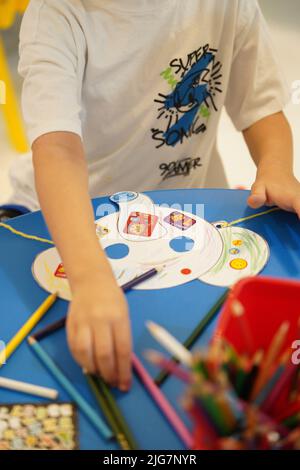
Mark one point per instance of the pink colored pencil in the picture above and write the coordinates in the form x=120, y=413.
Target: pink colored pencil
x=168, y=365
x=163, y=403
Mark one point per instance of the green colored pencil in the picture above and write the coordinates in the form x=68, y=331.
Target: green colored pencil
x=196, y=333
x=240, y=380
x=292, y=421
x=209, y=403
x=115, y=410
x=105, y=408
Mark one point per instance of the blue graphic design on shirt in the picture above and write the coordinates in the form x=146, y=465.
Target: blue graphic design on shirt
x=187, y=109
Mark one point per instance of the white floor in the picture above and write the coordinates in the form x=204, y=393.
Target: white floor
x=283, y=17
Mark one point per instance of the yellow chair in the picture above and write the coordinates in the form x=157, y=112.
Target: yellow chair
x=8, y=102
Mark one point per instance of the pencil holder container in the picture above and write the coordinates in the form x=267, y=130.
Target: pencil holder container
x=268, y=304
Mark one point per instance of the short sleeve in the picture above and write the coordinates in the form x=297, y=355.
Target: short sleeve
x=257, y=87
x=52, y=66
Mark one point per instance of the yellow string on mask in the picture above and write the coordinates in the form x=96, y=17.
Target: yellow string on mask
x=253, y=216
x=50, y=242
x=25, y=235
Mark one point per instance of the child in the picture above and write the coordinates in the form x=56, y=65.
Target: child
x=127, y=94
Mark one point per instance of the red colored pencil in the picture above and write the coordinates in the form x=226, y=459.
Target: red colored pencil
x=284, y=379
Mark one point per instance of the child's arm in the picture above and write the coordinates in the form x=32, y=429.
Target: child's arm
x=98, y=324
x=271, y=145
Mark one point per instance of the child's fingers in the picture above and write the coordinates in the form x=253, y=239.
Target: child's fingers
x=104, y=352
x=296, y=206
x=123, y=349
x=258, y=196
x=80, y=342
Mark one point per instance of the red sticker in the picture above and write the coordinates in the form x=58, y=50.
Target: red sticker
x=140, y=224
x=60, y=271
x=186, y=271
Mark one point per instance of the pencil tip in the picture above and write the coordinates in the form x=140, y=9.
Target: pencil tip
x=151, y=356
x=150, y=325
x=159, y=269
x=259, y=356
x=237, y=308
x=286, y=325
x=31, y=340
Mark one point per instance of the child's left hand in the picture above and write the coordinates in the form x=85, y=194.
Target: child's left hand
x=276, y=188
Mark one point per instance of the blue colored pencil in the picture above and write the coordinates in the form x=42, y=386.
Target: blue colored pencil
x=83, y=405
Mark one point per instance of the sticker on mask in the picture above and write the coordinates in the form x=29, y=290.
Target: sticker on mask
x=60, y=272
x=140, y=224
x=179, y=220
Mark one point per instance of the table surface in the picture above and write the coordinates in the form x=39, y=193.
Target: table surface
x=179, y=309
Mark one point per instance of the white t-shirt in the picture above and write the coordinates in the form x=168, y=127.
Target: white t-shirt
x=143, y=83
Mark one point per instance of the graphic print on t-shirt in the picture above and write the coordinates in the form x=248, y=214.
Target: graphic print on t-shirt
x=181, y=167
x=185, y=111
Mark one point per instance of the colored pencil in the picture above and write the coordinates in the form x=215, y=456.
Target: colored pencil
x=206, y=398
x=28, y=388
x=162, y=403
x=217, y=397
x=289, y=410
x=287, y=374
x=84, y=406
x=295, y=388
x=168, y=365
x=171, y=344
x=241, y=376
x=108, y=413
x=199, y=414
x=269, y=359
x=226, y=411
x=271, y=383
x=238, y=311
x=251, y=377
x=196, y=333
x=26, y=328
x=292, y=421
x=117, y=413
x=141, y=278
x=52, y=328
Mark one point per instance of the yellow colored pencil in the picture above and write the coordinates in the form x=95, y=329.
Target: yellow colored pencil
x=26, y=329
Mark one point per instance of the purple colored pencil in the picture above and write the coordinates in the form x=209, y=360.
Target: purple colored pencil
x=139, y=279
x=43, y=333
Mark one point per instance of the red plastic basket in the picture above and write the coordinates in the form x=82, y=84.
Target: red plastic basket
x=268, y=302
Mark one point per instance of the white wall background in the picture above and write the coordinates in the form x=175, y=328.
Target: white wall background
x=283, y=17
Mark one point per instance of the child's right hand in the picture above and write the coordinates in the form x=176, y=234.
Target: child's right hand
x=98, y=330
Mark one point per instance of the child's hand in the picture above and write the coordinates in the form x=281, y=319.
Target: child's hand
x=99, y=332
x=276, y=188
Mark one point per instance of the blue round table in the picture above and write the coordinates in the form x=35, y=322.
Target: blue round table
x=179, y=309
